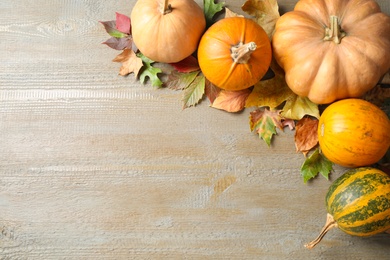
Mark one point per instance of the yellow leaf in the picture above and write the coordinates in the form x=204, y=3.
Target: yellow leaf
x=265, y=12
x=297, y=107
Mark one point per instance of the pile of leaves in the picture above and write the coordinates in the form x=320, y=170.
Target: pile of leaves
x=274, y=106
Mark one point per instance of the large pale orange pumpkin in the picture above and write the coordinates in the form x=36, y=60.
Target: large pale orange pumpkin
x=234, y=53
x=167, y=30
x=333, y=49
x=354, y=132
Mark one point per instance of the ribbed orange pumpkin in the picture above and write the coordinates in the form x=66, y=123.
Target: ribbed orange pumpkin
x=333, y=49
x=234, y=53
x=353, y=133
x=167, y=30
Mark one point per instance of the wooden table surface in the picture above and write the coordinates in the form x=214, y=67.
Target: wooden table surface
x=94, y=165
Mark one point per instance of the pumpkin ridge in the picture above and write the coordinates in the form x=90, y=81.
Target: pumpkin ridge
x=376, y=217
x=369, y=229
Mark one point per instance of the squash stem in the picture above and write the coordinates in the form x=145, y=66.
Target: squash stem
x=334, y=33
x=241, y=53
x=167, y=7
x=330, y=223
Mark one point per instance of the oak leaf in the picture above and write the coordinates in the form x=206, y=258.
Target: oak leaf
x=130, y=62
x=265, y=12
x=314, y=164
x=306, y=137
x=231, y=101
x=210, y=9
x=149, y=71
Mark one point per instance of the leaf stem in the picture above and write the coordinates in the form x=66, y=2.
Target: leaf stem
x=167, y=8
x=334, y=32
x=330, y=223
x=241, y=53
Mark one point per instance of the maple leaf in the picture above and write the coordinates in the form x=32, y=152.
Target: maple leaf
x=231, y=101
x=265, y=122
x=130, y=62
x=265, y=12
x=123, y=23
x=194, y=92
x=148, y=71
x=210, y=9
x=297, y=107
x=179, y=81
x=306, y=137
x=271, y=92
x=211, y=91
x=189, y=64
x=316, y=163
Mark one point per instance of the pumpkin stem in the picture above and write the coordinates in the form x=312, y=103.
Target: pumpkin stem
x=334, y=33
x=167, y=7
x=241, y=53
x=330, y=223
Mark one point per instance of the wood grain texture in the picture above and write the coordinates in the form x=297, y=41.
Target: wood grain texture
x=97, y=166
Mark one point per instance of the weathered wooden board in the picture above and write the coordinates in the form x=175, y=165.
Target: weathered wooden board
x=97, y=166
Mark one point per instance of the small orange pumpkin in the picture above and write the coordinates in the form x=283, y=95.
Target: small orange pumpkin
x=234, y=53
x=167, y=30
x=354, y=133
x=333, y=49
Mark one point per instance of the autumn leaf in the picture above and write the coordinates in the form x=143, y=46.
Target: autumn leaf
x=231, y=101
x=265, y=12
x=189, y=64
x=210, y=9
x=110, y=27
x=306, y=137
x=265, y=122
x=194, y=92
x=211, y=91
x=123, y=23
x=119, y=43
x=316, y=163
x=297, y=107
x=130, y=62
x=179, y=81
x=271, y=92
x=148, y=71
x=230, y=13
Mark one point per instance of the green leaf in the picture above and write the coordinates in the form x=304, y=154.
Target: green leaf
x=194, y=92
x=148, y=71
x=297, y=107
x=265, y=122
x=210, y=9
x=316, y=163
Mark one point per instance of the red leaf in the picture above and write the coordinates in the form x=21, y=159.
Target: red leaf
x=119, y=43
x=189, y=64
x=211, y=91
x=123, y=23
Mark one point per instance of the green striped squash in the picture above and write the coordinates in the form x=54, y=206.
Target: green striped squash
x=358, y=203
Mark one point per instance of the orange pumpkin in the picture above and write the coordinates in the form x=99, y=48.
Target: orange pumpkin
x=167, y=30
x=234, y=53
x=354, y=133
x=333, y=49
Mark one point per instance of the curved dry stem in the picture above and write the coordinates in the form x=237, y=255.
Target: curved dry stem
x=241, y=53
x=167, y=8
x=330, y=223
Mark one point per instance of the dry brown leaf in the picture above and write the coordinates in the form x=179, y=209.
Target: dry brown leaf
x=231, y=101
x=230, y=13
x=211, y=91
x=130, y=62
x=306, y=137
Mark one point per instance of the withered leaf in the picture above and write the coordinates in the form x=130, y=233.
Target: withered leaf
x=265, y=12
x=230, y=13
x=179, y=81
x=297, y=107
x=231, y=101
x=306, y=137
x=119, y=43
x=130, y=62
x=265, y=122
x=211, y=91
